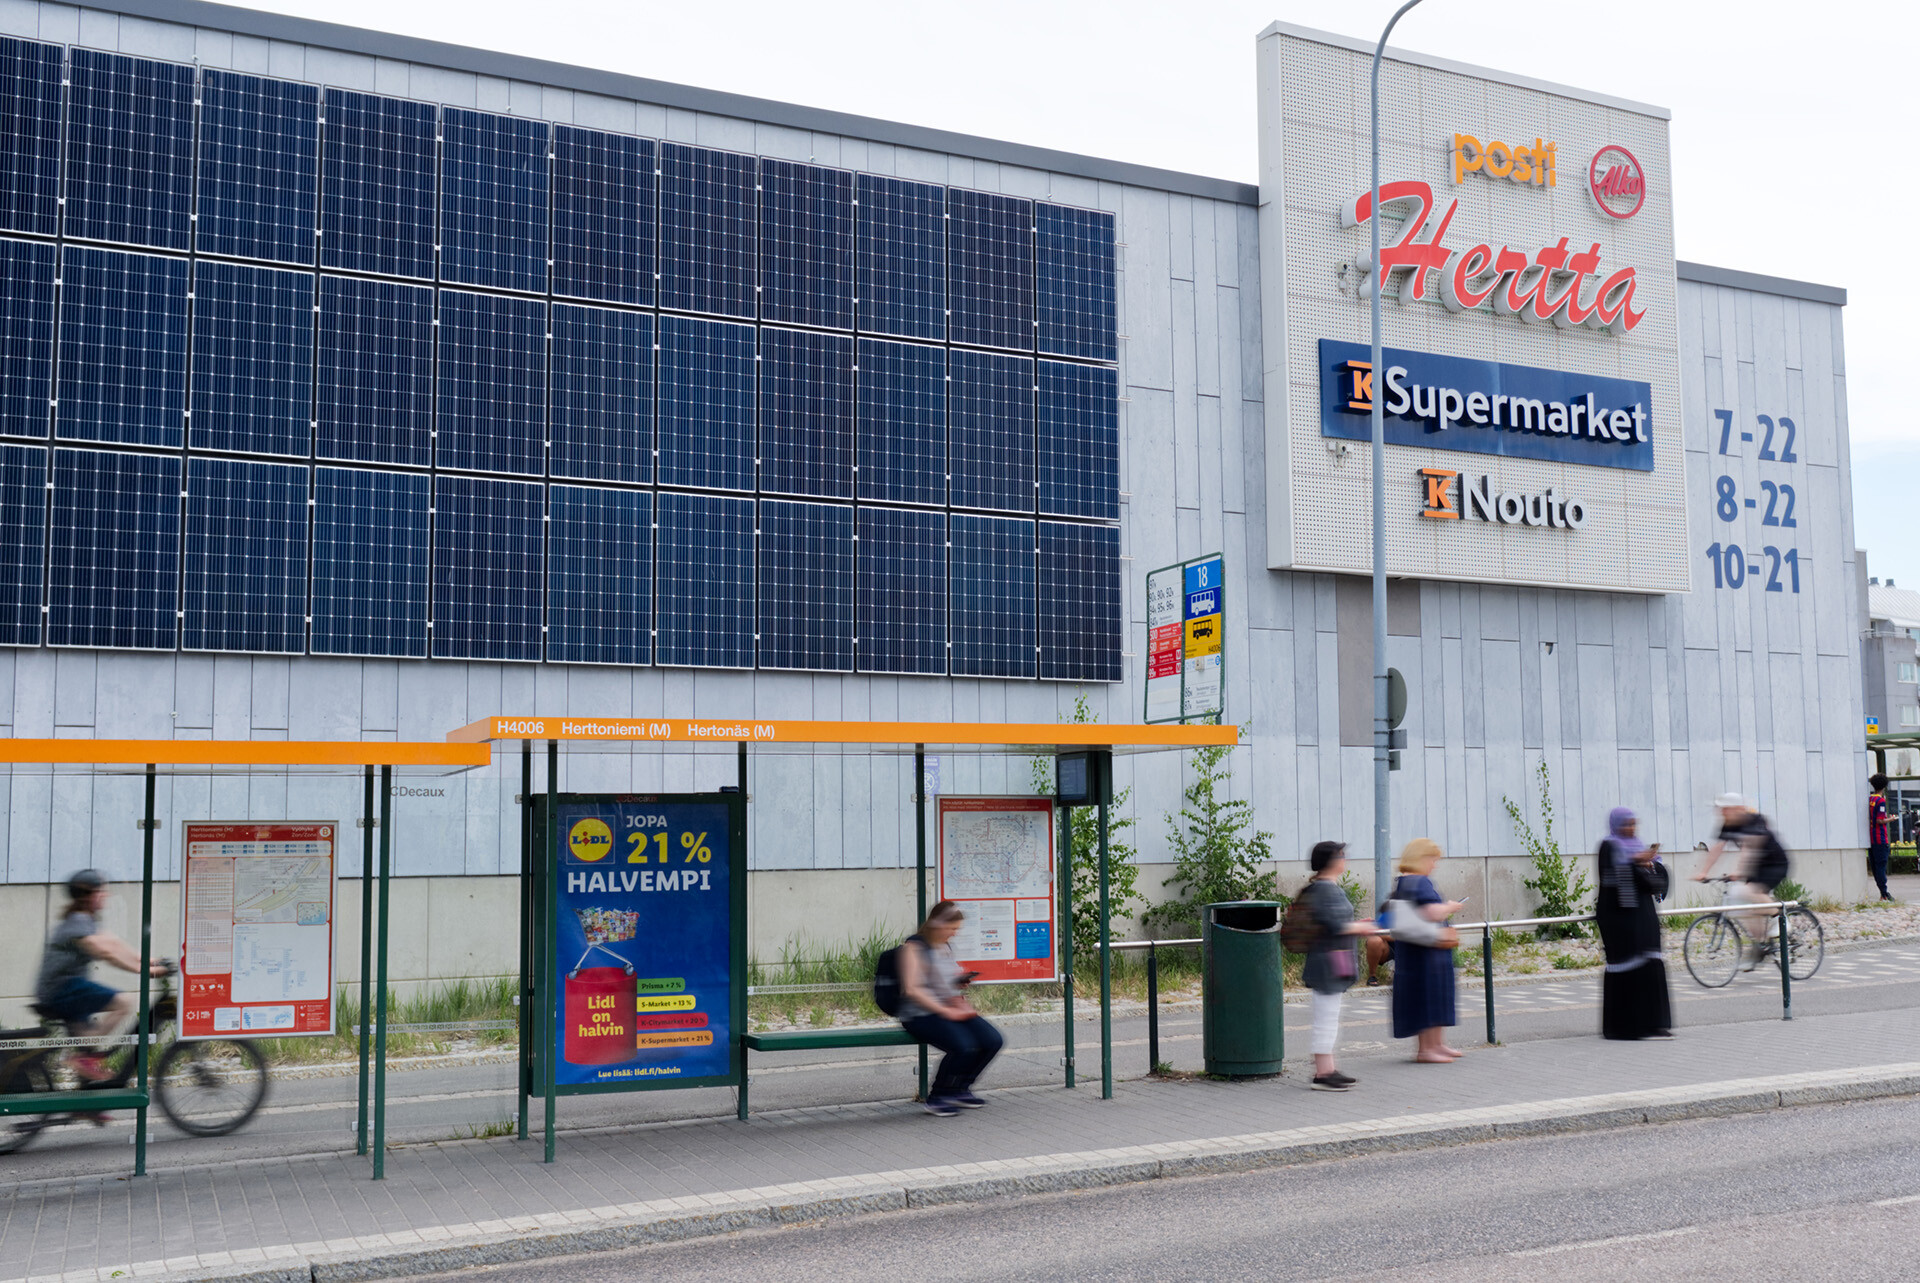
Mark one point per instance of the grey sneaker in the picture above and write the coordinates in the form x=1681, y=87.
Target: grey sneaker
x=939, y=1107
x=966, y=1100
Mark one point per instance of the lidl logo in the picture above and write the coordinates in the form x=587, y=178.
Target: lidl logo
x=589, y=840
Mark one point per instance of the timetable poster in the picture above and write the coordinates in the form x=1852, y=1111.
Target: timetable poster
x=256, y=930
x=644, y=942
x=996, y=864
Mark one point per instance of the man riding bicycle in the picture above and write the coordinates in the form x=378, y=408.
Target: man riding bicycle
x=66, y=993
x=1762, y=865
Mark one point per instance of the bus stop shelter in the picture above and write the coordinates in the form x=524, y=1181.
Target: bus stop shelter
x=154, y=758
x=813, y=738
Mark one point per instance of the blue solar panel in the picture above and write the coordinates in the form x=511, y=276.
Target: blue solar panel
x=30, y=100
x=992, y=595
x=23, y=515
x=375, y=396
x=376, y=185
x=493, y=384
x=114, y=550
x=487, y=541
x=902, y=258
x=259, y=168
x=706, y=231
x=806, y=413
x=902, y=591
x=245, y=586
x=806, y=245
x=704, y=569
x=600, y=576
x=706, y=406
x=1079, y=574
x=130, y=150
x=990, y=269
x=27, y=318
x=806, y=586
x=370, y=550
x=123, y=347
x=990, y=431
x=494, y=185
x=1079, y=440
x=252, y=360
x=903, y=422
x=1074, y=282
x=602, y=425
x=603, y=204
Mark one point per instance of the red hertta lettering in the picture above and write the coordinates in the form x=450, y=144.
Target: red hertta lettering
x=1550, y=284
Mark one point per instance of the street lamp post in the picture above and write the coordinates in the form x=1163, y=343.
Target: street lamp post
x=1382, y=808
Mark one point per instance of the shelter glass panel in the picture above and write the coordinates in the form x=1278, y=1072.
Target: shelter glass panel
x=114, y=550
x=259, y=168
x=123, y=347
x=245, y=586
x=371, y=545
x=486, y=568
x=252, y=360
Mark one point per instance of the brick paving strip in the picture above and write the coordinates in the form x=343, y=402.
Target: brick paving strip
x=455, y=1205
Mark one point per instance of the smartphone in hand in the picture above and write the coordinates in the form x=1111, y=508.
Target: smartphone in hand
x=969, y=977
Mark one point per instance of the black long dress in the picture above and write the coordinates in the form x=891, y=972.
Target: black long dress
x=1633, y=990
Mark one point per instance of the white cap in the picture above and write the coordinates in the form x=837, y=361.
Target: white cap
x=1726, y=800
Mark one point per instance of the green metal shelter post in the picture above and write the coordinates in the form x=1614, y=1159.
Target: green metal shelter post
x=740, y=1097
x=526, y=935
x=920, y=866
x=1066, y=936
x=145, y=1027
x=380, y=978
x=366, y=954
x=1106, y=950
x=547, y=1026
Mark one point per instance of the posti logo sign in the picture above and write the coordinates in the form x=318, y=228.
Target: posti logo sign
x=1515, y=162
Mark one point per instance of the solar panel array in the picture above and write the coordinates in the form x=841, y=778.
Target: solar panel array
x=301, y=370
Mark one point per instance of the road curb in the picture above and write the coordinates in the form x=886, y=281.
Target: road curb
x=561, y=1234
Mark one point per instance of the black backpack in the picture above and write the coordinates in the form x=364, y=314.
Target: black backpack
x=887, y=991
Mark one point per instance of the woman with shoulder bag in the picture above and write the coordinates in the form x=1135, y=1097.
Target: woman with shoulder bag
x=1330, y=966
x=1423, y=944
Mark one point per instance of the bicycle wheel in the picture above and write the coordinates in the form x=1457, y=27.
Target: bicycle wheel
x=18, y=1133
x=210, y=1088
x=1713, y=948
x=1806, y=943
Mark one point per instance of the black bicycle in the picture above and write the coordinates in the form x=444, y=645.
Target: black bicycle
x=1715, y=944
x=206, y=1087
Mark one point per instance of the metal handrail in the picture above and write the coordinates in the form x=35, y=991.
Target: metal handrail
x=1588, y=917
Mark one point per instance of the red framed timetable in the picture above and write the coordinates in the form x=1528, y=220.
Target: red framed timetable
x=997, y=864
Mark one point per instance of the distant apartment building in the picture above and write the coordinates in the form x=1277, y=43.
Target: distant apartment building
x=1890, y=666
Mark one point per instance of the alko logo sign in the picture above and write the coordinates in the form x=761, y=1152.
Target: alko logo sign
x=1618, y=184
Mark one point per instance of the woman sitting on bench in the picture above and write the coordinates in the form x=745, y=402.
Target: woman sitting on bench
x=935, y=1010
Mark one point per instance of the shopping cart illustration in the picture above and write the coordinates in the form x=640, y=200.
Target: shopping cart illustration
x=605, y=927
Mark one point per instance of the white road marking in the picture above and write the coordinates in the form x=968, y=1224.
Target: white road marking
x=1896, y=1202
x=1609, y=1242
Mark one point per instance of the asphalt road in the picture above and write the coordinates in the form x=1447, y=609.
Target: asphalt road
x=1811, y=1194
x=303, y=1116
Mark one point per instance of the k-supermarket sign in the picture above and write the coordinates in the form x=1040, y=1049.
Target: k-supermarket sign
x=1486, y=407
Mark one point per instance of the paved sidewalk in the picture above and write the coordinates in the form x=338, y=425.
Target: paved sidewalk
x=322, y=1218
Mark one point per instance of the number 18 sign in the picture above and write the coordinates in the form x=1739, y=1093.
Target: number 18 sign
x=1186, y=627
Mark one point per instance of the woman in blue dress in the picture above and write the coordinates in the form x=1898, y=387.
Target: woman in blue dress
x=1423, y=1005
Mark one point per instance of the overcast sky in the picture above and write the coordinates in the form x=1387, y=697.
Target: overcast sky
x=1788, y=120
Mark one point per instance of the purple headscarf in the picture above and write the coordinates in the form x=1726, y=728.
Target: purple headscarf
x=1625, y=845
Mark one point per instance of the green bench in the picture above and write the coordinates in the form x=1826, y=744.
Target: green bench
x=816, y=1040
x=98, y=1100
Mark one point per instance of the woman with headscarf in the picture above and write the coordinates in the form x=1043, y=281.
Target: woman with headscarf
x=1633, y=989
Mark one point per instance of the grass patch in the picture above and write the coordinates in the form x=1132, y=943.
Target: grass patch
x=482, y=998
x=1573, y=962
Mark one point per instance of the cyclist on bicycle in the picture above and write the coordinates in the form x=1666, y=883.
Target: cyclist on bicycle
x=65, y=993
x=1762, y=865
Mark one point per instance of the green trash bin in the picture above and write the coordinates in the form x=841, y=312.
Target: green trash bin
x=1242, y=1028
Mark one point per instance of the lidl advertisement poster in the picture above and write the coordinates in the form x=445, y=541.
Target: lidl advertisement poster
x=256, y=930
x=643, y=941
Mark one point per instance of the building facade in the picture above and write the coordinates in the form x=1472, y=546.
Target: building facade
x=1656, y=602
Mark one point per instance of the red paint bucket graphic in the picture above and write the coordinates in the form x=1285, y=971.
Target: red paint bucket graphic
x=600, y=1012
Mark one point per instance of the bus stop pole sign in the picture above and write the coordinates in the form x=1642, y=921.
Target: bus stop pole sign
x=1186, y=626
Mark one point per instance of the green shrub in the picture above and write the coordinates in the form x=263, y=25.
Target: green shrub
x=1556, y=879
